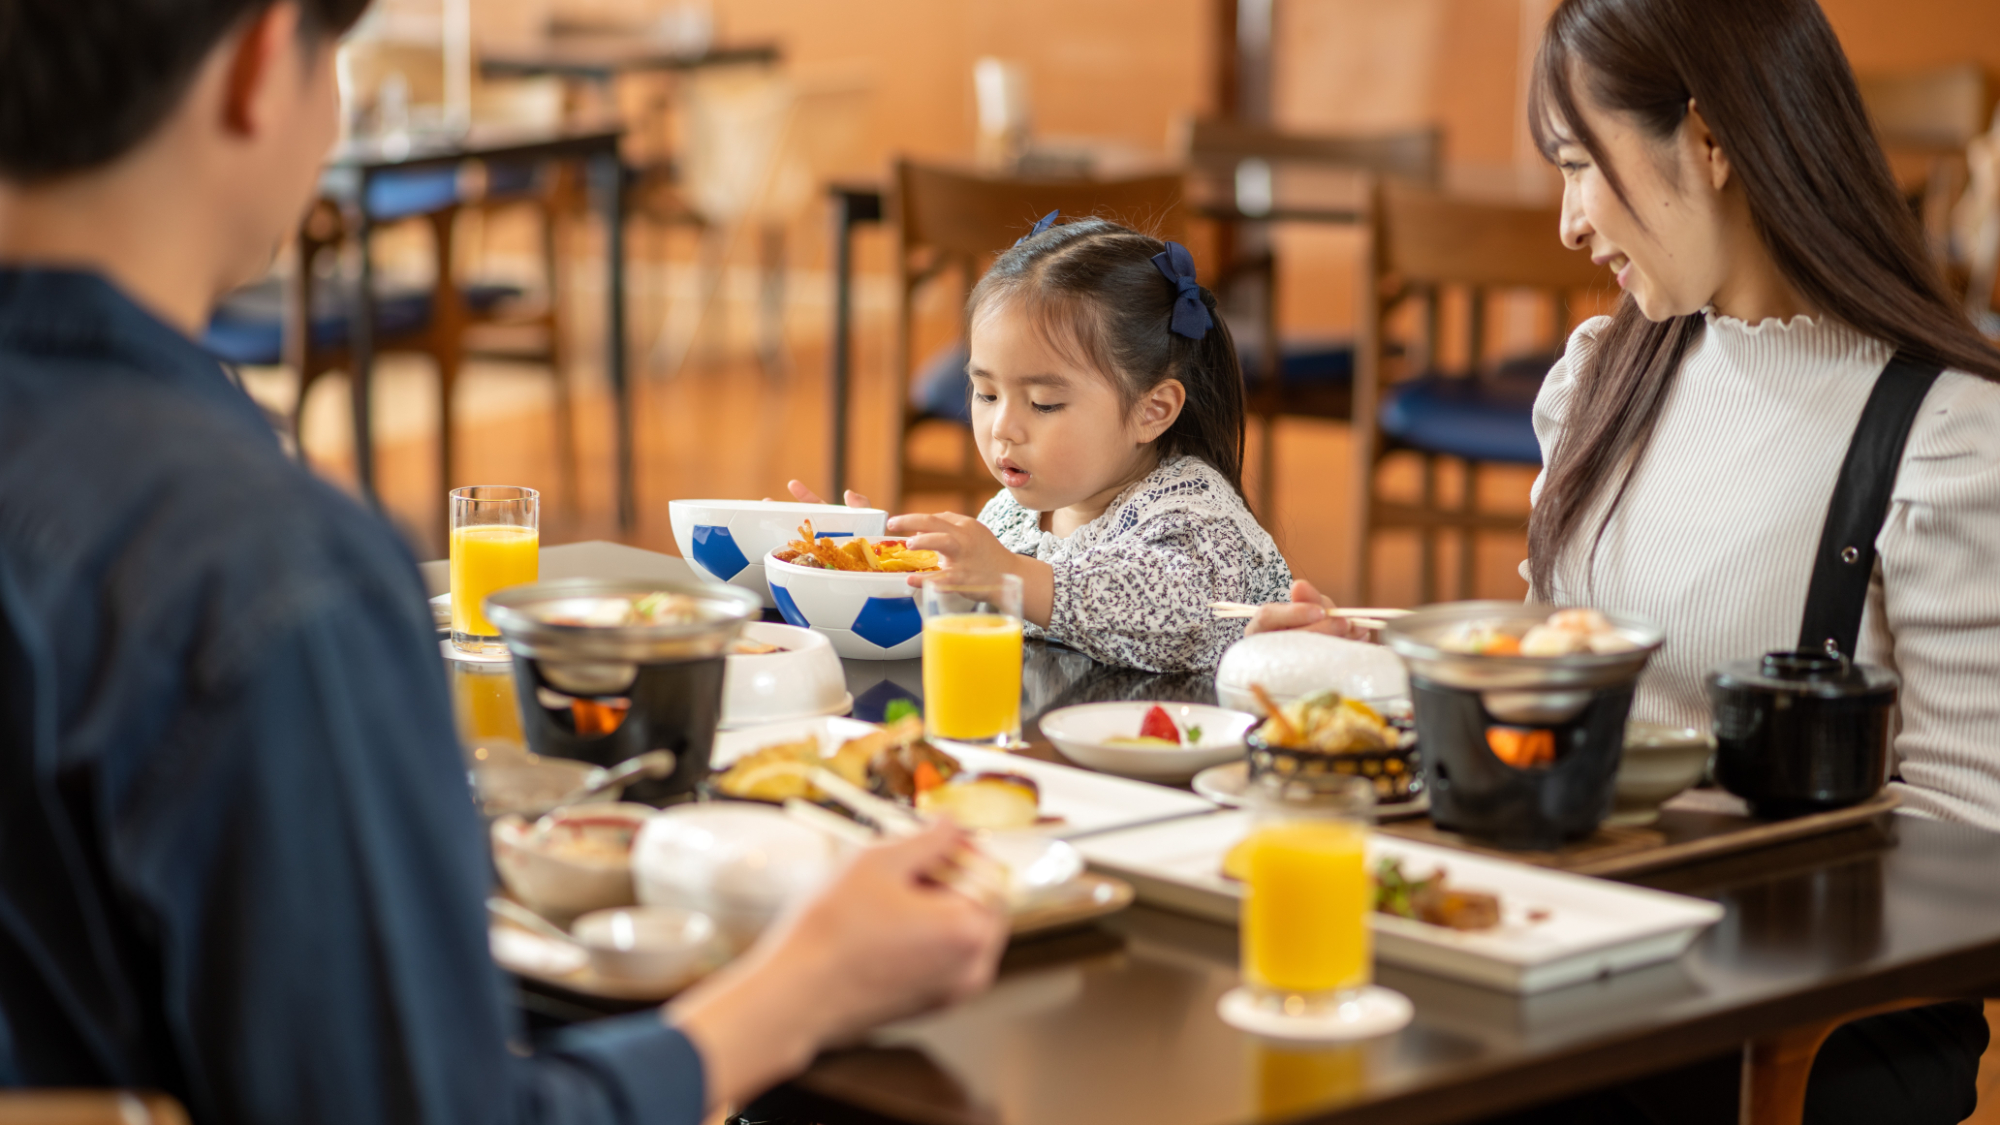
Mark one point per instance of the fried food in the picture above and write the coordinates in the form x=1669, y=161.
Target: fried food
x=857, y=554
x=1328, y=723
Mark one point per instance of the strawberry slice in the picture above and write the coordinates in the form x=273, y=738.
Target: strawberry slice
x=1159, y=724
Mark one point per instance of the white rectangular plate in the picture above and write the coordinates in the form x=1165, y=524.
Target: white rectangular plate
x=1086, y=802
x=1555, y=929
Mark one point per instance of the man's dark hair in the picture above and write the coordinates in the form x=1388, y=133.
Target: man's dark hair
x=82, y=82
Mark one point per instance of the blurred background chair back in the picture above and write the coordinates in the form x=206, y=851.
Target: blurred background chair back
x=1451, y=400
x=1925, y=119
x=949, y=220
x=1300, y=380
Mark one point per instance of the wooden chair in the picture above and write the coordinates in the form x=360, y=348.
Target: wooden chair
x=949, y=219
x=1422, y=245
x=1308, y=383
x=1777, y=1068
x=89, y=1107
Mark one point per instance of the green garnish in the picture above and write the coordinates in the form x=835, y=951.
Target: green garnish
x=1194, y=734
x=900, y=709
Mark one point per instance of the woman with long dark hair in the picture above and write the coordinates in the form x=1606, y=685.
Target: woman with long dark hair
x=1779, y=301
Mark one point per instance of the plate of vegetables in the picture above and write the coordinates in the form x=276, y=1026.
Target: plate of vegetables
x=1166, y=742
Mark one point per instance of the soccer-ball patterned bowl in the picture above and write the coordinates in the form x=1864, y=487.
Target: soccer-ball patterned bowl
x=867, y=615
x=726, y=540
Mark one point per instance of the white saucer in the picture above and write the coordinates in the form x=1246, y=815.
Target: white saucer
x=1224, y=784
x=451, y=653
x=843, y=707
x=1376, y=1011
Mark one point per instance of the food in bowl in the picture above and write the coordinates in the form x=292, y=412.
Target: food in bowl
x=1328, y=733
x=656, y=608
x=728, y=540
x=866, y=614
x=1567, y=632
x=573, y=860
x=857, y=553
x=893, y=762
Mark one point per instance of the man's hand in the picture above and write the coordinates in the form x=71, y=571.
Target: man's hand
x=1310, y=610
x=806, y=495
x=884, y=940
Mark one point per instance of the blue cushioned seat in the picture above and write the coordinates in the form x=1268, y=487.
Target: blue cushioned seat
x=1489, y=418
x=249, y=325
x=403, y=195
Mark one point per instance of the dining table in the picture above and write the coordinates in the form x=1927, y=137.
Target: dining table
x=1115, y=1020
x=359, y=161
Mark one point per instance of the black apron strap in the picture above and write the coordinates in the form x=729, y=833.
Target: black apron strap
x=1845, y=561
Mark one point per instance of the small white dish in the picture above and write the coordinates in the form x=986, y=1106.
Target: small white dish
x=1226, y=784
x=1294, y=664
x=803, y=679
x=726, y=540
x=531, y=785
x=572, y=861
x=1660, y=762
x=1084, y=732
x=868, y=615
x=1372, y=1012
x=654, y=944
x=1038, y=867
x=441, y=611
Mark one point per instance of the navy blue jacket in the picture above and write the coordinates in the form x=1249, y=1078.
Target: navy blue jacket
x=239, y=860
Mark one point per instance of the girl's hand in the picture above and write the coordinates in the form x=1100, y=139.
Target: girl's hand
x=969, y=547
x=1310, y=610
x=806, y=495
x=973, y=553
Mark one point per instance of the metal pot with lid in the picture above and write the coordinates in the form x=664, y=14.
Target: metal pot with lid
x=1803, y=731
x=601, y=683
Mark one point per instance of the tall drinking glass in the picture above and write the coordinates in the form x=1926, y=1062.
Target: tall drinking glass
x=1305, y=910
x=495, y=543
x=972, y=658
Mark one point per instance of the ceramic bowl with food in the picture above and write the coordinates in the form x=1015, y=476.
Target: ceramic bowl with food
x=739, y=863
x=572, y=861
x=1661, y=761
x=868, y=615
x=1294, y=664
x=1330, y=734
x=1120, y=737
x=726, y=540
x=777, y=672
x=646, y=944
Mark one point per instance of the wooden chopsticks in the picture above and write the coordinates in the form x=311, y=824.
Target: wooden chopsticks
x=1368, y=617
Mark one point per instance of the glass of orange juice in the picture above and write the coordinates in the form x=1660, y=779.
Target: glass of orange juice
x=1306, y=948
x=972, y=658
x=495, y=543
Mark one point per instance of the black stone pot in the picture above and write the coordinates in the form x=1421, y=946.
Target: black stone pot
x=1801, y=732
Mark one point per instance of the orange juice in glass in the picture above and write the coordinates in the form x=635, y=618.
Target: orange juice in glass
x=1306, y=903
x=495, y=543
x=972, y=659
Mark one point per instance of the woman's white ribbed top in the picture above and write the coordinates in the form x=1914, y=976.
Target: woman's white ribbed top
x=1714, y=539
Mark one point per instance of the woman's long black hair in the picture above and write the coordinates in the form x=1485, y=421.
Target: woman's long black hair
x=1092, y=289
x=1769, y=78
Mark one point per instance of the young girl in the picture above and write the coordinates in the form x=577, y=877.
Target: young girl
x=1107, y=399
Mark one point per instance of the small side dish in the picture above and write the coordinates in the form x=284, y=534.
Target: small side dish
x=858, y=553
x=1157, y=728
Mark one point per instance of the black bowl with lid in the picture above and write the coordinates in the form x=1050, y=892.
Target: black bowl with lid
x=1801, y=732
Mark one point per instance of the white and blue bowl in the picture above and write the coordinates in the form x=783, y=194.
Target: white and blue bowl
x=726, y=540
x=867, y=615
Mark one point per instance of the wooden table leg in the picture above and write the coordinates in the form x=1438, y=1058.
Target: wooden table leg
x=1777, y=1067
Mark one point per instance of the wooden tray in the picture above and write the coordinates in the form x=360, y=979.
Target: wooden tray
x=1089, y=897
x=1682, y=835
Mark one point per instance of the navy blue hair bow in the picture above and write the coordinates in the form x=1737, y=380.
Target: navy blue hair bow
x=1041, y=225
x=1191, y=317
